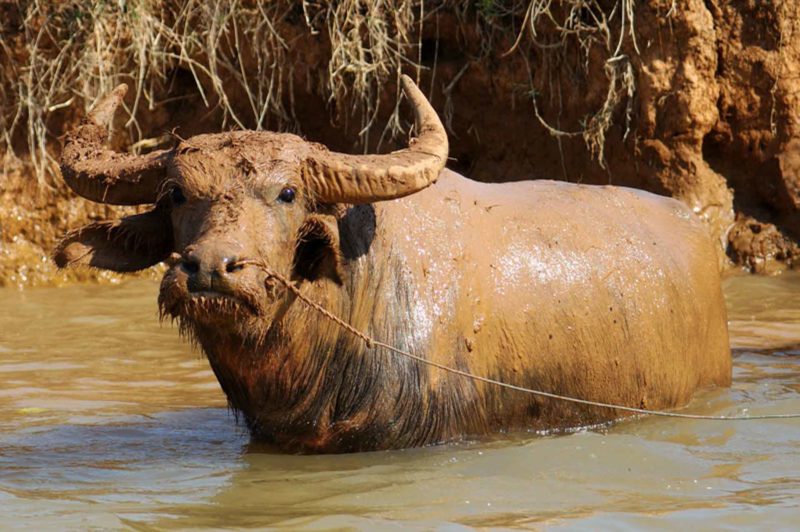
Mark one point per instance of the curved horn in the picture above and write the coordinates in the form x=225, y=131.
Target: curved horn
x=99, y=174
x=341, y=178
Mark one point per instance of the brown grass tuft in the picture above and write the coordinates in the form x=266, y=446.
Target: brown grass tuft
x=57, y=57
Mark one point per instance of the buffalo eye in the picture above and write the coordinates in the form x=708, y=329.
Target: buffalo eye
x=287, y=195
x=176, y=194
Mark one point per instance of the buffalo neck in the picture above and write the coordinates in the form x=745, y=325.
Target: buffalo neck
x=308, y=384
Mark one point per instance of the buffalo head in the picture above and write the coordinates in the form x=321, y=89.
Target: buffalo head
x=224, y=201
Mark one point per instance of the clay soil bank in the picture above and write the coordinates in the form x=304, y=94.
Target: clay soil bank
x=695, y=99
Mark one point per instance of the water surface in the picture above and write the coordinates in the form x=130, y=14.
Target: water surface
x=109, y=420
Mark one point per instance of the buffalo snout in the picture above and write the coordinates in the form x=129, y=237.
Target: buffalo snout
x=213, y=268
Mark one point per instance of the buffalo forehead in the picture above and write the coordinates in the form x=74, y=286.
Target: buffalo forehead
x=209, y=162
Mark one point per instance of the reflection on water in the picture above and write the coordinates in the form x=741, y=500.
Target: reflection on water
x=108, y=419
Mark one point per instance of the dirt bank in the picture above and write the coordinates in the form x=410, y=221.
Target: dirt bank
x=32, y=218
x=695, y=99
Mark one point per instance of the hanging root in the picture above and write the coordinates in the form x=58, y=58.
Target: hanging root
x=585, y=24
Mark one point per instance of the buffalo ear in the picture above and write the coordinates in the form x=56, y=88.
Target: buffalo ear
x=318, y=254
x=127, y=245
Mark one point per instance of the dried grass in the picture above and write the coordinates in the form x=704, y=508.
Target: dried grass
x=587, y=25
x=71, y=51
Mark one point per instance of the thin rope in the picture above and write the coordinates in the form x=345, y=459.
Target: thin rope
x=371, y=343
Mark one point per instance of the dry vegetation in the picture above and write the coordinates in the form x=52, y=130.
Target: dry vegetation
x=70, y=52
x=690, y=98
x=59, y=56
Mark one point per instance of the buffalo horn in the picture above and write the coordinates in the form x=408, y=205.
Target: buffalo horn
x=102, y=175
x=341, y=178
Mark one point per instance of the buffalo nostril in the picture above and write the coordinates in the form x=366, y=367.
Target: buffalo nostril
x=233, y=265
x=190, y=265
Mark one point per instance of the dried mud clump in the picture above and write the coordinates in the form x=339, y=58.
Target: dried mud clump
x=695, y=99
x=762, y=248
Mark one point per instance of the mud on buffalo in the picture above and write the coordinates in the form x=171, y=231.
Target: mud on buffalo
x=603, y=293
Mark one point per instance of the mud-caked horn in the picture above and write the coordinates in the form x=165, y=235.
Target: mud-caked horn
x=102, y=175
x=341, y=178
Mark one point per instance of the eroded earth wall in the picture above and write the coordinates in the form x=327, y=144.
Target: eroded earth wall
x=690, y=98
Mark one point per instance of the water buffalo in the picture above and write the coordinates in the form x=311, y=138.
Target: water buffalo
x=598, y=292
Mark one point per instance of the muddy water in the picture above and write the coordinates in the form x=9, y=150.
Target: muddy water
x=109, y=420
